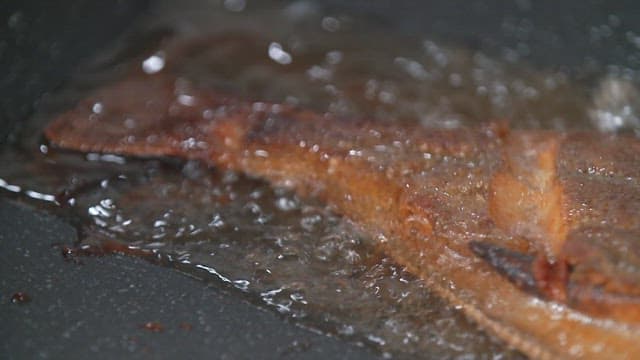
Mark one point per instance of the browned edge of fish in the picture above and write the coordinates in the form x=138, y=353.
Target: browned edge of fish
x=549, y=314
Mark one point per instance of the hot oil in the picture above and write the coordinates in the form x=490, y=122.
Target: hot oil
x=292, y=255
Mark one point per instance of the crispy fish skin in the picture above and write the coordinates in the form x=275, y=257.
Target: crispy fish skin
x=565, y=206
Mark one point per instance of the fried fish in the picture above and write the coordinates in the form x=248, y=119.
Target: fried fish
x=533, y=234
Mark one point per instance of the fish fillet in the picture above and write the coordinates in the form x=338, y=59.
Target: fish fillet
x=533, y=234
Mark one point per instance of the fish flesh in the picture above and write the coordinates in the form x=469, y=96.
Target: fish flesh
x=533, y=234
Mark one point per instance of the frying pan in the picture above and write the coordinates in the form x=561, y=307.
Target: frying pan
x=99, y=308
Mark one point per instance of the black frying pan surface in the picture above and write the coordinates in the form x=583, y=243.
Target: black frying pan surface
x=98, y=309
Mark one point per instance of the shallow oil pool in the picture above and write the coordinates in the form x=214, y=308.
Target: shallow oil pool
x=289, y=254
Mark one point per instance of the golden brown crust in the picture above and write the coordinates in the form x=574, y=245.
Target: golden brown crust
x=526, y=199
x=430, y=195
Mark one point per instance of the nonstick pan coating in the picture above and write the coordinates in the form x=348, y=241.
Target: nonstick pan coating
x=99, y=308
